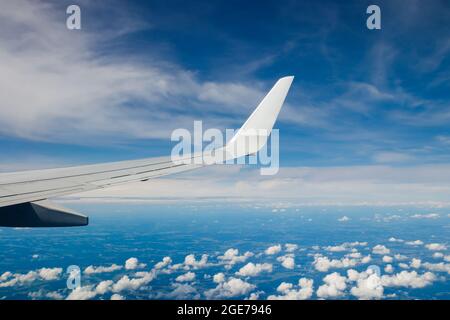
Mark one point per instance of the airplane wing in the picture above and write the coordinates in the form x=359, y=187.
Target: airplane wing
x=24, y=195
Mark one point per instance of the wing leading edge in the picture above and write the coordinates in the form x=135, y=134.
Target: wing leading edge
x=23, y=195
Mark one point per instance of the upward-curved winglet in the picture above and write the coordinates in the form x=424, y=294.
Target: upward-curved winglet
x=253, y=135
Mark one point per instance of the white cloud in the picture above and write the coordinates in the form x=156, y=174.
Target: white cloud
x=334, y=286
x=133, y=263
x=414, y=243
x=104, y=286
x=344, y=219
x=82, y=293
x=335, y=248
x=426, y=216
x=438, y=255
x=368, y=285
x=102, y=269
x=50, y=273
x=287, y=261
x=231, y=257
x=409, y=279
x=190, y=261
x=415, y=263
x=252, y=270
x=234, y=287
x=290, y=247
x=116, y=296
x=187, y=277
x=90, y=291
x=164, y=263
x=387, y=259
x=181, y=291
x=304, y=290
x=273, y=250
x=219, y=277
x=380, y=249
x=323, y=264
x=345, y=246
x=77, y=92
x=400, y=257
x=392, y=239
x=436, y=246
x=125, y=283
x=355, y=184
x=8, y=279
x=388, y=268
x=438, y=267
x=46, y=295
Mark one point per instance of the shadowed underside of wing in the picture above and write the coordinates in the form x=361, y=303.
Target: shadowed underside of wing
x=23, y=194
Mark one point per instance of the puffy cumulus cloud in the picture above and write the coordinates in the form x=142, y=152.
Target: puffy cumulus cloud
x=389, y=268
x=415, y=263
x=287, y=261
x=164, y=263
x=368, y=284
x=338, y=248
x=290, y=247
x=187, y=277
x=104, y=286
x=82, y=293
x=288, y=291
x=219, y=277
x=102, y=269
x=400, y=257
x=141, y=280
x=354, y=255
x=343, y=219
x=90, y=291
x=387, y=259
x=408, y=279
x=380, y=249
x=437, y=267
x=334, y=286
x=50, y=273
x=436, y=246
x=8, y=279
x=273, y=250
x=133, y=263
x=252, y=270
x=190, y=262
x=255, y=295
x=233, y=287
x=323, y=264
x=414, y=243
x=117, y=296
x=231, y=257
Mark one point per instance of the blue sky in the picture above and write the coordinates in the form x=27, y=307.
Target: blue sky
x=117, y=88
